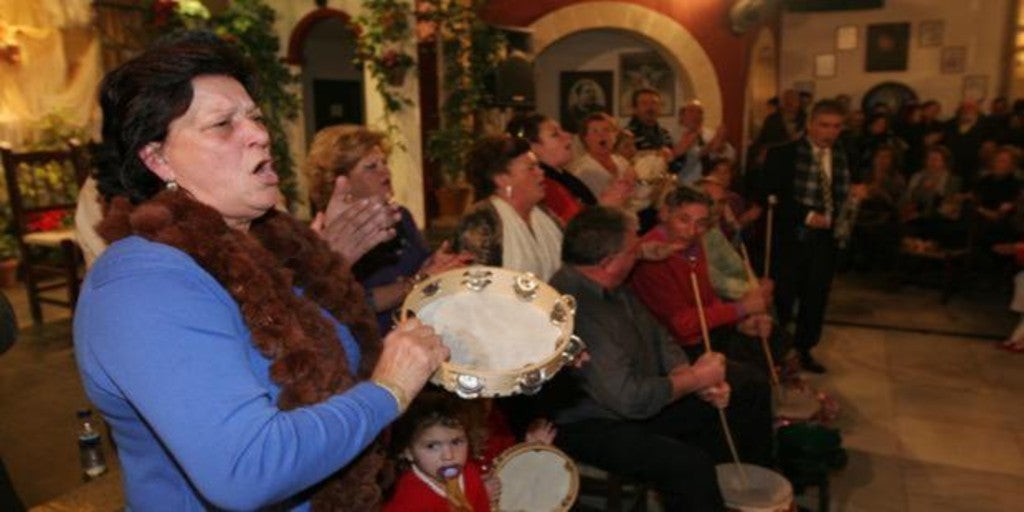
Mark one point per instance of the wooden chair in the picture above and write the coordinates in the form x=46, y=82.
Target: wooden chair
x=43, y=188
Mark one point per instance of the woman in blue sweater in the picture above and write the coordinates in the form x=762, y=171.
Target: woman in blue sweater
x=225, y=342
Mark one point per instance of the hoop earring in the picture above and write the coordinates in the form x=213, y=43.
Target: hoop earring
x=171, y=185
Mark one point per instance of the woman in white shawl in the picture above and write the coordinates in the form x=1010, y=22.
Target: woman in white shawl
x=508, y=228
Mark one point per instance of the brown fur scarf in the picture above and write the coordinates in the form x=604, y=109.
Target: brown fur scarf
x=259, y=271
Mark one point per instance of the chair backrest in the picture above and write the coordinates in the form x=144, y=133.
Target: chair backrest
x=43, y=186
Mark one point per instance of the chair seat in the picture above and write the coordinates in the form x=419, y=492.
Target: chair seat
x=52, y=238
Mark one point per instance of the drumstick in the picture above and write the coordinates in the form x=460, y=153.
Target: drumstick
x=707, y=349
x=764, y=339
x=768, y=236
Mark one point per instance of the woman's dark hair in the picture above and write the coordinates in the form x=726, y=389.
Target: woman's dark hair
x=435, y=407
x=594, y=234
x=141, y=97
x=489, y=157
x=526, y=126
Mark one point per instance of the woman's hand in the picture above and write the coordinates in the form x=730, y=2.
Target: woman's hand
x=412, y=352
x=445, y=259
x=353, y=227
x=541, y=431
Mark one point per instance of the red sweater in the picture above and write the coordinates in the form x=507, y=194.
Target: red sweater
x=412, y=494
x=665, y=288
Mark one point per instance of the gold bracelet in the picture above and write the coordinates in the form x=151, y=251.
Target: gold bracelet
x=396, y=392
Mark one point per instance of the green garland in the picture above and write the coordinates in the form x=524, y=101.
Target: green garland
x=382, y=42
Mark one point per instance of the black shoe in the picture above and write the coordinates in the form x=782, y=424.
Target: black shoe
x=808, y=363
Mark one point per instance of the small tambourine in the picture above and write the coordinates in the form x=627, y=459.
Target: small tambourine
x=754, y=489
x=508, y=332
x=536, y=477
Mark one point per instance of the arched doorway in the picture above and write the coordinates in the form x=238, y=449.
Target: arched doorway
x=323, y=45
x=646, y=26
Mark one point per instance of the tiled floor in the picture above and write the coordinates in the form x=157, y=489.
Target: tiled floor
x=931, y=422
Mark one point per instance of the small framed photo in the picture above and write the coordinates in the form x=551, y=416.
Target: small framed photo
x=953, y=60
x=930, y=33
x=846, y=37
x=825, y=65
x=975, y=87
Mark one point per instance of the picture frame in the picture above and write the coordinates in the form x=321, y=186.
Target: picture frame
x=930, y=33
x=953, y=60
x=640, y=70
x=975, y=87
x=825, y=65
x=887, y=47
x=846, y=37
x=582, y=93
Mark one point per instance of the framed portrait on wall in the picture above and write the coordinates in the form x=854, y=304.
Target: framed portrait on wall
x=646, y=70
x=930, y=33
x=953, y=60
x=846, y=37
x=825, y=65
x=582, y=93
x=887, y=46
x=975, y=87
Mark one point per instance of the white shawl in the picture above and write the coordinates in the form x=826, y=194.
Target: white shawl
x=538, y=251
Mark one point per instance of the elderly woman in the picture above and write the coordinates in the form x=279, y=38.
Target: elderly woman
x=226, y=343
x=389, y=270
x=599, y=167
x=930, y=208
x=508, y=228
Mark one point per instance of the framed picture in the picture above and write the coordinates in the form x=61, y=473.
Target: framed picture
x=582, y=93
x=846, y=38
x=953, y=60
x=887, y=47
x=930, y=32
x=825, y=65
x=646, y=70
x=975, y=87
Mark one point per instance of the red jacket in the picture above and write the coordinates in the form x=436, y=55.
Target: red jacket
x=560, y=201
x=665, y=288
x=412, y=494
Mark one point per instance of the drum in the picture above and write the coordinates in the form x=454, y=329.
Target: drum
x=508, y=332
x=766, y=490
x=536, y=478
x=796, y=403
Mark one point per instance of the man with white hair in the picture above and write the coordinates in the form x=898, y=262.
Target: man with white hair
x=701, y=144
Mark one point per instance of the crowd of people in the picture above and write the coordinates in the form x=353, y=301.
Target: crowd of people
x=245, y=359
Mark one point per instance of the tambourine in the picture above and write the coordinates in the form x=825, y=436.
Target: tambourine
x=536, y=477
x=763, y=491
x=508, y=332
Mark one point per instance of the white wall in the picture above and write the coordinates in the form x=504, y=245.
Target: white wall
x=599, y=50
x=979, y=25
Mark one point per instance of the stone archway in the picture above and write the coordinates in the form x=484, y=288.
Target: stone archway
x=661, y=30
x=298, y=36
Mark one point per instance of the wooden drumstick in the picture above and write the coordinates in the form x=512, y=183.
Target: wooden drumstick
x=768, y=236
x=752, y=279
x=707, y=349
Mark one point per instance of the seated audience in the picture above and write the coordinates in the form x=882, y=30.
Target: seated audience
x=640, y=409
x=508, y=228
x=389, y=270
x=930, y=208
x=598, y=167
x=876, y=227
x=996, y=195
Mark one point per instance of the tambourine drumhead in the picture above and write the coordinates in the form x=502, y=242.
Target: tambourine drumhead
x=536, y=478
x=766, y=490
x=508, y=332
x=796, y=404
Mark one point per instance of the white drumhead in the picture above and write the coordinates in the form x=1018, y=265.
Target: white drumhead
x=766, y=490
x=492, y=331
x=796, y=404
x=536, y=478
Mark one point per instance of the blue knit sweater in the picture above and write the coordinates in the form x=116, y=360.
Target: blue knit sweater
x=165, y=355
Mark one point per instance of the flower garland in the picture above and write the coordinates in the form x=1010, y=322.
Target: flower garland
x=383, y=39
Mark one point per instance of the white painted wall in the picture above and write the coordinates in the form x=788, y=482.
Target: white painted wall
x=599, y=50
x=979, y=25
x=406, y=172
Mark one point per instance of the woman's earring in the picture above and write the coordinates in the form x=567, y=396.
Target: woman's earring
x=508, y=191
x=171, y=185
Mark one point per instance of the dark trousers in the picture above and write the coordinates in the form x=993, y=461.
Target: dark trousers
x=676, y=450
x=806, y=264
